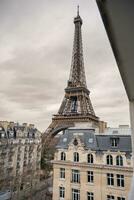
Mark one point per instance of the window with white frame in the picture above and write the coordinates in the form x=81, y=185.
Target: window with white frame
x=114, y=142
x=63, y=156
x=119, y=160
x=90, y=196
x=76, y=157
x=110, y=179
x=75, y=176
x=90, y=158
x=109, y=159
x=120, y=198
x=110, y=197
x=90, y=177
x=62, y=173
x=62, y=192
x=75, y=194
x=120, y=180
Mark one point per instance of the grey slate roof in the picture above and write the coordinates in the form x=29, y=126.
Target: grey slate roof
x=30, y=132
x=97, y=142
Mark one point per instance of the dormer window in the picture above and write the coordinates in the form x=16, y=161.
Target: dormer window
x=90, y=159
x=75, y=142
x=63, y=156
x=115, y=132
x=76, y=157
x=114, y=142
x=64, y=139
x=109, y=159
x=119, y=160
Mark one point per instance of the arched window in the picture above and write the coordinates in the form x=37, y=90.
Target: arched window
x=109, y=160
x=90, y=158
x=119, y=161
x=63, y=156
x=76, y=157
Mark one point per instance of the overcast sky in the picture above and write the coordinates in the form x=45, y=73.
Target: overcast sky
x=36, y=39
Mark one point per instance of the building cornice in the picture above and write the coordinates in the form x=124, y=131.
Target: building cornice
x=94, y=166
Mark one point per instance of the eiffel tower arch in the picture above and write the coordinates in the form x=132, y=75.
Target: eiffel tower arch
x=76, y=107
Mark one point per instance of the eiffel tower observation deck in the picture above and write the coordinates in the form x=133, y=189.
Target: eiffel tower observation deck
x=76, y=107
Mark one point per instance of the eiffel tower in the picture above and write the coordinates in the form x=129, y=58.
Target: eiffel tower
x=76, y=106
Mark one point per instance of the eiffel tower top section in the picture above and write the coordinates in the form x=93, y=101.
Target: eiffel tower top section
x=76, y=100
x=77, y=74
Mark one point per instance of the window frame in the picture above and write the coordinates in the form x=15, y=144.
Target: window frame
x=76, y=157
x=75, y=176
x=114, y=142
x=62, y=173
x=110, y=197
x=90, y=176
x=75, y=194
x=61, y=192
x=90, y=196
x=109, y=159
x=110, y=179
x=121, y=198
x=119, y=160
x=90, y=158
x=120, y=180
x=63, y=156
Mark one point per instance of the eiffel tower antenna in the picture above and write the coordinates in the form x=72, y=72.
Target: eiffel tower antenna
x=77, y=73
x=78, y=10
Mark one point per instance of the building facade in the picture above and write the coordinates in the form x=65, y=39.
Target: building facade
x=92, y=167
x=20, y=155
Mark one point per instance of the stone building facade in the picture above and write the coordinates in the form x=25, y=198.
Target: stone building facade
x=20, y=155
x=92, y=167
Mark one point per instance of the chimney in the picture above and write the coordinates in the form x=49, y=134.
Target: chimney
x=4, y=124
x=25, y=125
x=11, y=124
x=123, y=126
x=31, y=125
x=102, y=126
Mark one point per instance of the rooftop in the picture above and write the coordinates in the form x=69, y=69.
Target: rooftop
x=15, y=130
x=122, y=130
x=96, y=142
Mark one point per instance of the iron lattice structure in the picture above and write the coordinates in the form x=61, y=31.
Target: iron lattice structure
x=76, y=105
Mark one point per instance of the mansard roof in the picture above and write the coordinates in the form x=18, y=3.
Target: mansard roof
x=16, y=130
x=95, y=142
